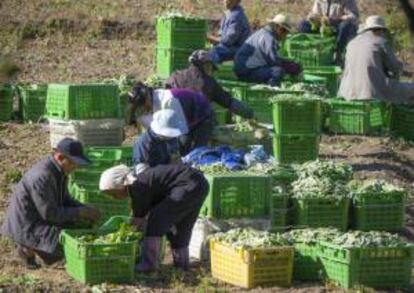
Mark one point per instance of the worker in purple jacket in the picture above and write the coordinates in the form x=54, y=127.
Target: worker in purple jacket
x=193, y=107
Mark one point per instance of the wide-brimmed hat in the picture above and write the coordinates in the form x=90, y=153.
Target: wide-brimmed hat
x=373, y=22
x=73, y=149
x=168, y=123
x=282, y=20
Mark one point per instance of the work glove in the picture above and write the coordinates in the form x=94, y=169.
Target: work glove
x=291, y=67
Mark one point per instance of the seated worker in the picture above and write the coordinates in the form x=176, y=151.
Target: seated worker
x=234, y=30
x=192, y=106
x=170, y=197
x=159, y=144
x=258, y=61
x=41, y=206
x=339, y=15
x=372, y=69
x=198, y=77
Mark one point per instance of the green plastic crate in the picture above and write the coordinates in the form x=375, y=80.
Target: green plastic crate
x=119, y=208
x=33, y=102
x=259, y=100
x=181, y=32
x=358, y=117
x=82, y=101
x=6, y=103
x=278, y=212
x=289, y=149
x=307, y=265
x=89, y=193
x=382, y=214
x=297, y=117
x=98, y=263
x=110, y=155
x=222, y=114
x=402, y=121
x=310, y=50
x=320, y=212
x=171, y=59
x=388, y=268
x=237, y=196
x=226, y=72
x=331, y=73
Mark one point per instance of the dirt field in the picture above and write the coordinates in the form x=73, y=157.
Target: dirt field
x=88, y=40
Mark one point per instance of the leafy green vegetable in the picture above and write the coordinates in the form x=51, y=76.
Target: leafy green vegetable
x=251, y=239
x=311, y=236
x=375, y=188
x=177, y=14
x=125, y=233
x=368, y=239
x=314, y=187
x=332, y=170
x=312, y=89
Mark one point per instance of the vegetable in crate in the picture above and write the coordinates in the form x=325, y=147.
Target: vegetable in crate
x=311, y=236
x=125, y=233
x=368, y=239
x=251, y=239
x=375, y=188
x=314, y=187
x=333, y=170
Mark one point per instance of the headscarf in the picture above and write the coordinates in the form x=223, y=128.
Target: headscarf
x=116, y=178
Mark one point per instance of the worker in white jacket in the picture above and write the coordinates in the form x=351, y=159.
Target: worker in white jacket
x=372, y=69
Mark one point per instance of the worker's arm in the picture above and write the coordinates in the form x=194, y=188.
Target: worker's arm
x=390, y=61
x=351, y=11
x=141, y=199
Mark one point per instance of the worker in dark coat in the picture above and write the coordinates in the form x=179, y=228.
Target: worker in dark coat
x=198, y=77
x=41, y=206
x=169, y=197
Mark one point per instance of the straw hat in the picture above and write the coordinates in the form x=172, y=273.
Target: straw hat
x=281, y=20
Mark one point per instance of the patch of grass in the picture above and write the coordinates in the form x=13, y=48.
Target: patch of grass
x=25, y=280
x=13, y=176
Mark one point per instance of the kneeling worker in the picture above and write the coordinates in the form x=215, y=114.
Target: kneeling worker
x=170, y=197
x=41, y=206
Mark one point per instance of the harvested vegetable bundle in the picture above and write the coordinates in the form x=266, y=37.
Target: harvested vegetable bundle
x=325, y=169
x=368, y=239
x=251, y=239
x=375, y=188
x=178, y=14
x=314, y=187
x=311, y=236
x=124, y=234
x=312, y=89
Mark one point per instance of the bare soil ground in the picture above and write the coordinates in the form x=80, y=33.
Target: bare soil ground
x=88, y=40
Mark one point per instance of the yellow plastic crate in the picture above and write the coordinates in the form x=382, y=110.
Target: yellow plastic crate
x=249, y=268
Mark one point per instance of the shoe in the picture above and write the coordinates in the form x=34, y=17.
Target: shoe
x=27, y=257
x=181, y=258
x=150, y=254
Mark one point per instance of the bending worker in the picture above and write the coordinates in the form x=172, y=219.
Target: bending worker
x=372, y=69
x=198, y=77
x=170, y=197
x=41, y=206
x=192, y=106
x=258, y=61
x=234, y=30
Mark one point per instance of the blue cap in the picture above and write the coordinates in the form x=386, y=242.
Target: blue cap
x=73, y=149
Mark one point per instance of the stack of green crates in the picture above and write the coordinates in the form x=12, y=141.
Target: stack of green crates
x=358, y=117
x=84, y=182
x=33, y=102
x=331, y=73
x=297, y=127
x=177, y=38
x=6, y=102
x=310, y=49
x=402, y=121
x=237, y=195
x=259, y=99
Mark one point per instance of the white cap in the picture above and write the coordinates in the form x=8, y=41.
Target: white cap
x=281, y=20
x=373, y=22
x=168, y=123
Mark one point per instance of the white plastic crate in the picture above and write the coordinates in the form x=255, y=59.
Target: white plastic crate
x=94, y=132
x=204, y=228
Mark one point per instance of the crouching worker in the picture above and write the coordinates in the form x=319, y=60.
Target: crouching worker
x=41, y=206
x=169, y=197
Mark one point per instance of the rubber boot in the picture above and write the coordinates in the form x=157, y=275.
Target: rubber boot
x=181, y=258
x=150, y=255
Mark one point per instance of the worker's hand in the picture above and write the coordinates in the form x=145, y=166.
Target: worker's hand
x=89, y=213
x=213, y=39
x=138, y=223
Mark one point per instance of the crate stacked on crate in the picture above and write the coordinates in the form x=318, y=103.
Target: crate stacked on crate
x=249, y=258
x=331, y=73
x=259, y=97
x=33, y=102
x=402, y=121
x=358, y=117
x=84, y=182
x=297, y=128
x=6, y=102
x=177, y=38
x=87, y=112
x=309, y=49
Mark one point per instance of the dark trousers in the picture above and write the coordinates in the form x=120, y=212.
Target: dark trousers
x=268, y=75
x=178, y=216
x=345, y=31
x=197, y=137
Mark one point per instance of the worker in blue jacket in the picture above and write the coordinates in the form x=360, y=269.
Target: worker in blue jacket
x=258, y=61
x=234, y=30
